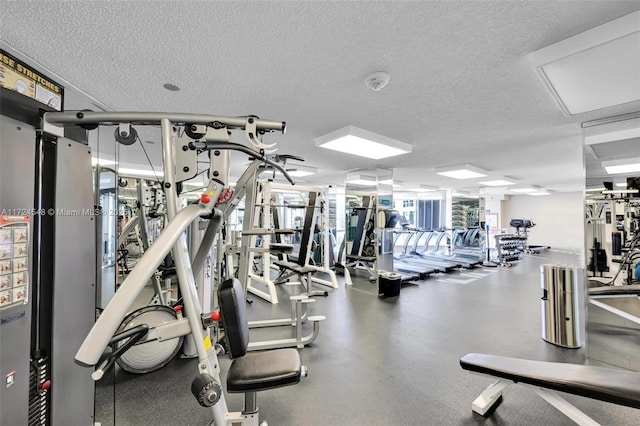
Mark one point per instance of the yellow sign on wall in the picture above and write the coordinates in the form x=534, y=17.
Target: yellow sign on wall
x=21, y=78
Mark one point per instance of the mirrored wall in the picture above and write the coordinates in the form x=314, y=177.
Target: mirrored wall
x=612, y=240
x=369, y=220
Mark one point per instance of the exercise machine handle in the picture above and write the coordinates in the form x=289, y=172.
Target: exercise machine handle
x=237, y=147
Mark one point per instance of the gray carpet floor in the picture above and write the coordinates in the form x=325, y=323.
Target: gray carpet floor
x=396, y=361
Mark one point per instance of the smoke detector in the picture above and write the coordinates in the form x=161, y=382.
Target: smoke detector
x=377, y=81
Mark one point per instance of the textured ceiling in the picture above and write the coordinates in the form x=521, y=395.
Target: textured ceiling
x=462, y=88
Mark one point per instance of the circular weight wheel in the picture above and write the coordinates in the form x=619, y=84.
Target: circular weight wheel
x=369, y=226
x=149, y=356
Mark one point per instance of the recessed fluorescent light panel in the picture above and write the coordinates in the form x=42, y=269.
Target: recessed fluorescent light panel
x=527, y=190
x=395, y=183
x=362, y=180
x=297, y=170
x=462, y=171
x=614, y=136
x=497, y=182
x=356, y=141
x=596, y=69
x=422, y=188
x=539, y=193
x=622, y=166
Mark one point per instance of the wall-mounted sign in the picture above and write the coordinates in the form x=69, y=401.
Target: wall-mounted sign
x=14, y=260
x=17, y=76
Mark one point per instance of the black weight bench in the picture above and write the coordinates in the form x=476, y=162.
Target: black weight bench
x=605, y=384
x=303, y=273
x=252, y=372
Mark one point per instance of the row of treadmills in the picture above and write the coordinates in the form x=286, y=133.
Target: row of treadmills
x=419, y=258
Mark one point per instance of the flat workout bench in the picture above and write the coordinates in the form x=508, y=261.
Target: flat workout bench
x=611, y=385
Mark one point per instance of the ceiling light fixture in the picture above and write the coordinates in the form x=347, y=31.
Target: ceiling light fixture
x=462, y=171
x=422, y=188
x=614, y=136
x=395, y=183
x=539, y=193
x=297, y=170
x=622, y=166
x=497, y=182
x=362, y=180
x=595, y=69
x=526, y=190
x=356, y=141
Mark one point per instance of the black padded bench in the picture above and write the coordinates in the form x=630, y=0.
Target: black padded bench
x=303, y=273
x=611, y=385
x=252, y=372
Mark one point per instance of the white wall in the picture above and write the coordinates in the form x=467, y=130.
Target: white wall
x=559, y=218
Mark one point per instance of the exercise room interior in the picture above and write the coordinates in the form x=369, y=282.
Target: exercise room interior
x=330, y=213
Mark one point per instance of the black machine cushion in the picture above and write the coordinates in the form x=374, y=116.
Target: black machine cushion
x=253, y=371
x=234, y=317
x=294, y=267
x=281, y=248
x=258, y=371
x=605, y=384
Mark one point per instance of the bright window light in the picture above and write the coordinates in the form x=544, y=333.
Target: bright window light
x=356, y=141
x=596, y=69
x=461, y=171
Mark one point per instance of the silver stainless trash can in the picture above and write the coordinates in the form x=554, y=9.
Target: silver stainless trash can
x=560, y=313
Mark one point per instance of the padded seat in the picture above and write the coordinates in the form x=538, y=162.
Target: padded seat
x=606, y=384
x=364, y=258
x=295, y=267
x=280, y=248
x=258, y=371
x=251, y=372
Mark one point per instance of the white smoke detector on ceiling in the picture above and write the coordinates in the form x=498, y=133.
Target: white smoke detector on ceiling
x=377, y=81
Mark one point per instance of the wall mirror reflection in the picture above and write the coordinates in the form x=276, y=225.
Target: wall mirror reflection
x=612, y=239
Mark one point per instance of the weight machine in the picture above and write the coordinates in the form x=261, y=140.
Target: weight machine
x=205, y=133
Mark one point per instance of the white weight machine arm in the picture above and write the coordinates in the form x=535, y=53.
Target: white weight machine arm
x=105, y=327
x=91, y=120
